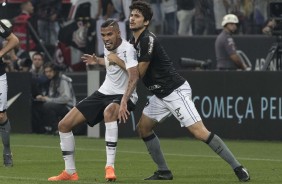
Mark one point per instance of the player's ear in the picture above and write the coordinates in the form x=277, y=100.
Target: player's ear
x=146, y=23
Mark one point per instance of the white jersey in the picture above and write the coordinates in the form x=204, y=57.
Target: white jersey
x=116, y=80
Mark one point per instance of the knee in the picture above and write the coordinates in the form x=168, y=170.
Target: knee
x=64, y=126
x=201, y=134
x=111, y=113
x=143, y=131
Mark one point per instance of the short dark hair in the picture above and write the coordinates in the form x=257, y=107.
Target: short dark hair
x=39, y=54
x=110, y=22
x=144, y=8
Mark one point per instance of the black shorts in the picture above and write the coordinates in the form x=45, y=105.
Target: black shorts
x=93, y=106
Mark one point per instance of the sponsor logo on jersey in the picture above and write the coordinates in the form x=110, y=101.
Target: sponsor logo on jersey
x=153, y=87
x=151, y=45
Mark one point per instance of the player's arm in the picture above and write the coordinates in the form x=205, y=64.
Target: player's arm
x=12, y=42
x=92, y=59
x=146, y=51
x=113, y=58
x=133, y=77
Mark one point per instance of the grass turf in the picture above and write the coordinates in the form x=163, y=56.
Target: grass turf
x=37, y=157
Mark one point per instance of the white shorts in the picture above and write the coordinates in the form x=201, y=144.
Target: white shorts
x=3, y=92
x=179, y=103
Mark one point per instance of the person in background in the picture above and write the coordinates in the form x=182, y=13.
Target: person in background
x=225, y=47
x=21, y=25
x=5, y=126
x=39, y=86
x=172, y=95
x=57, y=101
x=169, y=11
x=185, y=13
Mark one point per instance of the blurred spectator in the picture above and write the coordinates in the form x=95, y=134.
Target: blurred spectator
x=21, y=28
x=39, y=86
x=185, y=13
x=170, y=21
x=225, y=47
x=247, y=19
x=156, y=24
x=118, y=6
x=204, y=22
x=268, y=28
x=48, y=14
x=259, y=15
x=59, y=99
x=108, y=9
x=219, y=9
x=40, y=81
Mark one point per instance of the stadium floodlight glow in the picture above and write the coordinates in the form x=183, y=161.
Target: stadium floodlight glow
x=4, y=3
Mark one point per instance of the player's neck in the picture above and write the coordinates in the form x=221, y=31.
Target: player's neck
x=137, y=33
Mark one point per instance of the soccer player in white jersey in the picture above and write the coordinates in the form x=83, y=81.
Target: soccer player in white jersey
x=5, y=127
x=117, y=95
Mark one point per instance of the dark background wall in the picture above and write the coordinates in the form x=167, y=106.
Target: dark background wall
x=202, y=48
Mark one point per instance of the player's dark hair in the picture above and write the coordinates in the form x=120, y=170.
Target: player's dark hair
x=144, y=8
x=110, y=22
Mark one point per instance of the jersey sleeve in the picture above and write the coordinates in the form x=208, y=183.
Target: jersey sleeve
x=146, y=48
x=5, y=31
x=130, y=57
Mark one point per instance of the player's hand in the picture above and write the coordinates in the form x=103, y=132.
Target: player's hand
x=112, y=58
x=89, y=59
x=123, y=112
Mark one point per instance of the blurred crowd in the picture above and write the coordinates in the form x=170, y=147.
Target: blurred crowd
x=39, y=21
x=204, y=17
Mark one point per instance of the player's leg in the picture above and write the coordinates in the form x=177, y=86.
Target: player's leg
x=153, y=113
x=67, y=143
x=5, y=129
x=219, y=147
x=183, y=108
x=5, y=126
x=111, y=138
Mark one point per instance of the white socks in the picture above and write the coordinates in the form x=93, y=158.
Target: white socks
x=67, y=146
x=111, y=136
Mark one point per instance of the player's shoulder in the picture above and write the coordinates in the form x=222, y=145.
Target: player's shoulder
x=125, y=45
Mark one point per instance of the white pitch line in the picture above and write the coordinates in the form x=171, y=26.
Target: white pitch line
x=145, y=153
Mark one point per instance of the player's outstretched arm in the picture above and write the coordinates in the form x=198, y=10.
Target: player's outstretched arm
x=92, y=59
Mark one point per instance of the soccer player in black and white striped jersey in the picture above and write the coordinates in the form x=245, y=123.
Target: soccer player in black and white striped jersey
x=172, y=95
x=5, y=127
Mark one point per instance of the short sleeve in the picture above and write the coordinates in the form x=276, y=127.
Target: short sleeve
x=146, y=48
x=4, y=30
x=130, y=57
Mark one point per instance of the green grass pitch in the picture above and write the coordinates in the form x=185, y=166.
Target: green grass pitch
x=37, y=157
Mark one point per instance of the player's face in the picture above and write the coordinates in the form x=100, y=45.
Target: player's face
x=136, y=20
x=110, y=37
